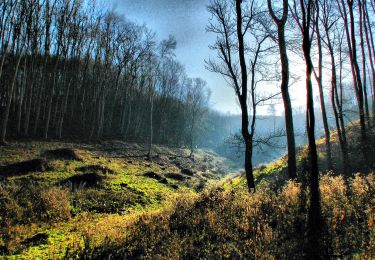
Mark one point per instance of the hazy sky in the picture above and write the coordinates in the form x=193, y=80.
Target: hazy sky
x=187, y=21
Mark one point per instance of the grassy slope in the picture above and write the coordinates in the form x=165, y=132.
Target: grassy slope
x=148, y=200
x=225, y=221
x=276, y=171
x=101, y=210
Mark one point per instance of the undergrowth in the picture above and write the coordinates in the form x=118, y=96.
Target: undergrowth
x=105, y=207
x=232, y=223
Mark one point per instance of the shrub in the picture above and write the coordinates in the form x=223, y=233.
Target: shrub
x=55, y=201
x=10, y=211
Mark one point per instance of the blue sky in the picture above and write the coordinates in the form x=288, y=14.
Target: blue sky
x=186, y=20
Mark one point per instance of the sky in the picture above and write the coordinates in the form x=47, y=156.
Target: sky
x=186, y=20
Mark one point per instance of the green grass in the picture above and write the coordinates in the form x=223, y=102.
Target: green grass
x=125, y=199
x=117, y=200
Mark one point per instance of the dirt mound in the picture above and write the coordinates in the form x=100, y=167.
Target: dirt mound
x=187, y=172
x=174, y=186
x=84, y=180
x=62, y=153
x=176, y=176
x=40, y=238
x=156, y=176
x=96, y=169
x=36, y=165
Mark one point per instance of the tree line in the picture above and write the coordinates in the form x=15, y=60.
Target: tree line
x=69, y=69
x=333, y=37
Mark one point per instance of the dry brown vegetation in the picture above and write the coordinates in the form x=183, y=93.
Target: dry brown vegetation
x=116, y=204
x=231, y=223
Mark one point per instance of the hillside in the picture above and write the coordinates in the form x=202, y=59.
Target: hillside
x=275, y=172
x=104, y=104
x=225, y=221
x=69, y=200
x=109, y=200
x=53, y=194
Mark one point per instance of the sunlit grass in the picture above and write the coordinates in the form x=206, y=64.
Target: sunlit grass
x=237, y=224
x=124, y=190
x=128, y=212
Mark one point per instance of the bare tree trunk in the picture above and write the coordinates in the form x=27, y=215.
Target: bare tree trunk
x=304, y=20
x=5, y=115
x=49, y=108
x=102, y=115
x=112, y=106
x=292, y=165
x=243, y=101
x=370, y=51
x=341, y=115
x=38, y=107
x=94, y=118
x=373, y=89
x=351, y=41
x=129, y=116
x=336, y=101
x=63, y=110
x=21, y=96
x=151, y=127
x=364, y=75
x=28, y=102
x=9, y=20
x=314, y=216
x=319, y=79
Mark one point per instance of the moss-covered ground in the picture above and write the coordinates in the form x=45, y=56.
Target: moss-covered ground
x=115, y=202
x=51, y=212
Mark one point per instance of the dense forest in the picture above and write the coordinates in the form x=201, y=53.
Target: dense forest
x=109, y=149
x=70, y=70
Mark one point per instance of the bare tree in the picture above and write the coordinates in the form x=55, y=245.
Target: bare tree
x=151, y=89
x=69, y=69
x=196, y=99
x=334, y=38
x=350, y=32
x=303, y=12
x=232, y=22
x=18, y=48
x=370, y=47
x=319, y=79
x=363, y=60
x=280, y=23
